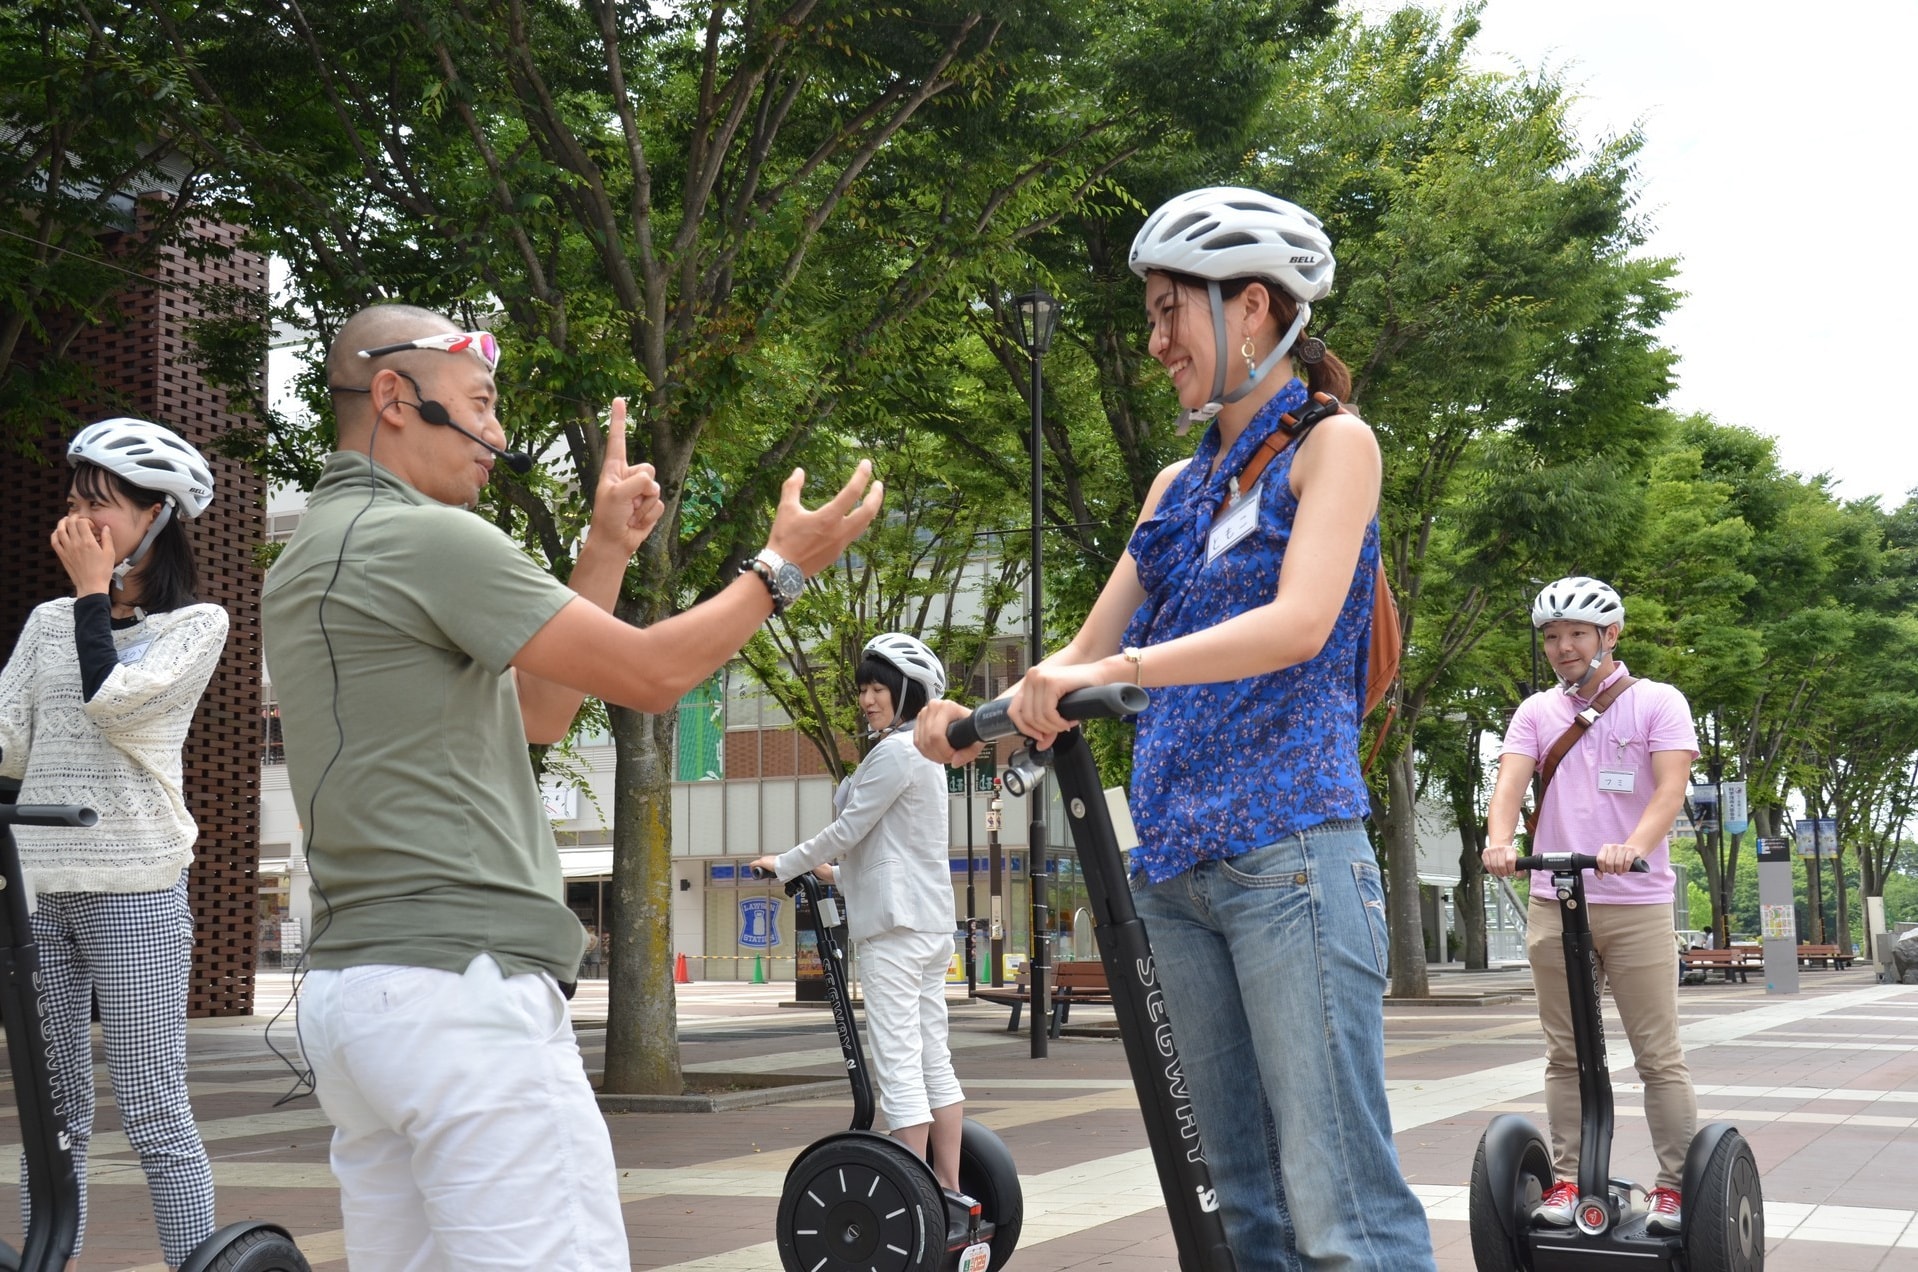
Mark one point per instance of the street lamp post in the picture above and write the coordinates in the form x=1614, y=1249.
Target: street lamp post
x=1035, y=317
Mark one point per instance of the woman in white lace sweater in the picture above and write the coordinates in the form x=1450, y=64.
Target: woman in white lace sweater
x=95, y=704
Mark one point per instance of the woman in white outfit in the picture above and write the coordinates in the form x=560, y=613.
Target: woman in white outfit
x=95, y=704
x=890, y=840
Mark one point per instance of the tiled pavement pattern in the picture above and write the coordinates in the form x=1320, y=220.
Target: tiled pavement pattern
x=1824, y=1084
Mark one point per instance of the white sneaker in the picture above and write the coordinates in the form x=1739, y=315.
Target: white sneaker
x=1664, y=1213
x=1557, y=1205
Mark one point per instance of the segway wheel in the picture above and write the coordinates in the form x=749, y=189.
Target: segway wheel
x=988, y=1175
x=861, y=1203
x=1725, y=1212
x=1510, y=1173
x=247, y=1247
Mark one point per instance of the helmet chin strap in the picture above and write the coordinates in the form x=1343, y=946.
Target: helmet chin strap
x=1598, y=660
x=134, y=558
x=1220, y=399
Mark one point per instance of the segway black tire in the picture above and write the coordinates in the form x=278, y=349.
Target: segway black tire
x=1510, y=1173
x=1725, y=1211
x=861, y=1202
x=989, y=1176
x=247, y=1247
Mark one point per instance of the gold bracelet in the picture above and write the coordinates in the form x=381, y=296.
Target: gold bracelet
x=1135, y=656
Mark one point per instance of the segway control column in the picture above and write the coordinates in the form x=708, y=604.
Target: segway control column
x=1192, y=1204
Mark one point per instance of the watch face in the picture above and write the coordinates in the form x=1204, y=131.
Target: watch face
x=789, y=580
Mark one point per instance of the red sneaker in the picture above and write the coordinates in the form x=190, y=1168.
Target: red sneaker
x=1663, y=1205
x=1557, y=1205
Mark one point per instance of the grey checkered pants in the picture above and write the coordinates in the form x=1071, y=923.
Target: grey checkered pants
x=134, y=949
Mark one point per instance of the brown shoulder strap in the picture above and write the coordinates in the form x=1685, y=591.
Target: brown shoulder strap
x=1291, y=429
x=1569, y=739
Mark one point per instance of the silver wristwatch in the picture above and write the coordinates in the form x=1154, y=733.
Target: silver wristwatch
x=781, y=577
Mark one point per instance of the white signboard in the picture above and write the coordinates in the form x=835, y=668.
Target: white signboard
x=560, y=798
x=1735, y=815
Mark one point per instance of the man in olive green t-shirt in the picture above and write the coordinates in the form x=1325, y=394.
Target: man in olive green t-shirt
x=415, y=651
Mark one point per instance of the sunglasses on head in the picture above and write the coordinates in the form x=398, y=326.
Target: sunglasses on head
x=483, y=343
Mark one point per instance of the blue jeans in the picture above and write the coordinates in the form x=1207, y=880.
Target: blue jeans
x=1274, y=965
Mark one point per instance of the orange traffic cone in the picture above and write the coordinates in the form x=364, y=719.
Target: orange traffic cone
x=679, y=972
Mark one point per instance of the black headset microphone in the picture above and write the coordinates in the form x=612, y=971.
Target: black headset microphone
x=434, y=412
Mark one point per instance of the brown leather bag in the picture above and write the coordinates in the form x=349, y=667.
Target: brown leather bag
x=1386, y=641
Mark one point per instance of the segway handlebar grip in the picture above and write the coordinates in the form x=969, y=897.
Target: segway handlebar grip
x=1569, y=861
x=1103, y=702
x=805, y=881
x=47, y=815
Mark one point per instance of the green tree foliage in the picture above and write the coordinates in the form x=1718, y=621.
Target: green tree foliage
x=788, y=234
x=1499, y=325
x=737, y=214
x=95, y=182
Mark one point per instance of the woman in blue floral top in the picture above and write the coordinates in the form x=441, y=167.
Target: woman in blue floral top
x=1247, y=612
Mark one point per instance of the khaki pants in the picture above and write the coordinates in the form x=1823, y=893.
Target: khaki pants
x=1638, y=958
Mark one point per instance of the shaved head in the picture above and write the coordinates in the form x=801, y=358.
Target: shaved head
x=370, y=328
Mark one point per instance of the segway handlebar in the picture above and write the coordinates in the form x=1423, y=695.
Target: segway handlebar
x=47, y=815
x=1103, y=702
x=1566, y=862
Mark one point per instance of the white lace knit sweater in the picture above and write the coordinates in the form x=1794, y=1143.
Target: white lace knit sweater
x=118, y=754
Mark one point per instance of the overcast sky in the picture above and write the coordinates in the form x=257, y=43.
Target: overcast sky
x=1780, y=143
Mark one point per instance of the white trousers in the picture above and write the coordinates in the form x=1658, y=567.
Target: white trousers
x=904, y=975
x=466, y=1136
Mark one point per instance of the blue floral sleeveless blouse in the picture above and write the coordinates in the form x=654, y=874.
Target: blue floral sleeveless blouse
x=1221, y=769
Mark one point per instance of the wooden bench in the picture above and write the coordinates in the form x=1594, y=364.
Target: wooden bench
x=1822, y=956
x=1734, y=963
x=1072, y=982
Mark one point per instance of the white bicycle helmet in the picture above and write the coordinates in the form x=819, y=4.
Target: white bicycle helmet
x=149, y=456
x=1224, y=232
x=914, y=660
x=1579, y=599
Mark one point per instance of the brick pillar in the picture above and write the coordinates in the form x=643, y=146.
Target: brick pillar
x=144, y=368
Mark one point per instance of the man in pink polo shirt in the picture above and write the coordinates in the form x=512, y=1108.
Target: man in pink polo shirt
x=1615, y=793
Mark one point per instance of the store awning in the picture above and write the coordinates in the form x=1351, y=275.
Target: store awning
x=594, y=862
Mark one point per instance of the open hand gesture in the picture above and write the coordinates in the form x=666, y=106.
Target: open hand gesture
x=813, y=538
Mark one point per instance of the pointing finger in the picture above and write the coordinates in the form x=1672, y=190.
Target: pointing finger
x=615, y=458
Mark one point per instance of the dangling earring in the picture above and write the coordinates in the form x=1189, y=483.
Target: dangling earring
x=1247, y=352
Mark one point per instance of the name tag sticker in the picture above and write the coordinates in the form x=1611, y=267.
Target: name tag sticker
x=132, y=653
x=1235, y=525
x=1618, y=781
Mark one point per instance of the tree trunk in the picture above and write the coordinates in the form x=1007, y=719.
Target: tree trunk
x=1844, y=909
x=1404, y=923
x=642, y=1036
x=1713, y=856
x=1469, y=897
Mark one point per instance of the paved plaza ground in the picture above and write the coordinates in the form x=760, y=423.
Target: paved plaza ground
x=1824, y=1084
